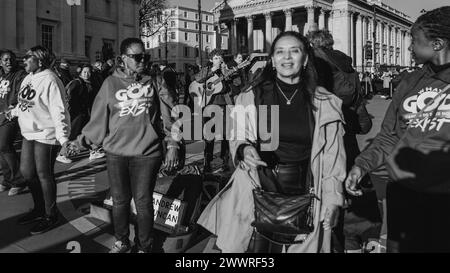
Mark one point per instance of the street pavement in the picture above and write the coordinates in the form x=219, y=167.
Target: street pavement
x=84, y=182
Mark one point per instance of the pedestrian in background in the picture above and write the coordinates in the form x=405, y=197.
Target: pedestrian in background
x=10, y=83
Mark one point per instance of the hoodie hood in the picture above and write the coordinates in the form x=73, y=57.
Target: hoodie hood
x=120, y=73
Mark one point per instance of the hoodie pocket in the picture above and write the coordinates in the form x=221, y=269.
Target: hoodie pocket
x=132, y=138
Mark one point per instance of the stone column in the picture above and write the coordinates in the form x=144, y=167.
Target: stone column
x=396, y=60
x=120, y=23
x=80, y=27
x=391, y=45
x=8, y=25
x=310, y=19
x=66, y=29
x=268, y=17
x=331, y=21
x=238, y=35
x=250, y=33
x=359, y=41
x=233, y=37
x=402, y=48
x=352, y=35
x=407, y=52
x=364, y=29
x=322, y=19
x=136, y=16
x=288, y=15
x=29, y=25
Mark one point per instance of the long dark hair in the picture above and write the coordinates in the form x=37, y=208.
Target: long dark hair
x=308, y=75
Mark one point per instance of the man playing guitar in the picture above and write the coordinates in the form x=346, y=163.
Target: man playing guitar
x=216, y=67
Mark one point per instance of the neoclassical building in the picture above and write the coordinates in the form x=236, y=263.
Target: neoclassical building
x=357, y=26
x=77, y=33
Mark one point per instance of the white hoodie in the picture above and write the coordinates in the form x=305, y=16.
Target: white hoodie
x=42, y=109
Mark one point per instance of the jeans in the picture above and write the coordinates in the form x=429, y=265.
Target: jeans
x=37, y=167
x=133, y=177
x=9, y=161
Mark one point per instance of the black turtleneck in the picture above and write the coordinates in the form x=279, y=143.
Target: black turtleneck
x=294, y=127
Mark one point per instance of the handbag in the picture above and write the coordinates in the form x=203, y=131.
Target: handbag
x=280, y=217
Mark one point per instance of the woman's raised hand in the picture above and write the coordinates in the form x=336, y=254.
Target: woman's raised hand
x=252, y=158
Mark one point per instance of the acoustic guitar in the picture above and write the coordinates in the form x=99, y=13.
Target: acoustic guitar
x=214, y=85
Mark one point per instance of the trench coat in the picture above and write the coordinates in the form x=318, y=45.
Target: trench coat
x=230, y=213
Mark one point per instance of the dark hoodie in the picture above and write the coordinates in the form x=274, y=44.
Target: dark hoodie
x=127, y=114
x=420, y=155
x=9, y=88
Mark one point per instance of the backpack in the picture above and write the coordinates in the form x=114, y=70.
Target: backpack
x=345, y=85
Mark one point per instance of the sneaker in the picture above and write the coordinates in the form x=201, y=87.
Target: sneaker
x=16, y=190
x=63, y=159
x=96, y=154
x=4, y=188
x=120, y=247
x=45, y=224
x=31, y=217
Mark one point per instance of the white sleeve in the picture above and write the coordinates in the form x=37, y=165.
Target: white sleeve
x=57, y=105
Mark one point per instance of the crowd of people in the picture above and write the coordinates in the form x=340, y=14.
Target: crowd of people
x=122, y=110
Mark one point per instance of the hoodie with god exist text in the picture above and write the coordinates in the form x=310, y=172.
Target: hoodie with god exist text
x=414, y=140
x=42, y=108
x=131, y=117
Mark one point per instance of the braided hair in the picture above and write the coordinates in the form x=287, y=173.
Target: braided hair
x=435, y=23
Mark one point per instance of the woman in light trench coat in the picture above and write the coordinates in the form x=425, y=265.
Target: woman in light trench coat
x=230, y=214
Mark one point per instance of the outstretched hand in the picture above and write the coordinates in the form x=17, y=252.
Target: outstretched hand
x=69, y=149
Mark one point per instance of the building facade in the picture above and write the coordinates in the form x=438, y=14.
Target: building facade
x=371, y=32
x=77, y=33
x=177, y=42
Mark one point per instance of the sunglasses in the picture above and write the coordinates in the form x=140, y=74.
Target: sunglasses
x=139, y=57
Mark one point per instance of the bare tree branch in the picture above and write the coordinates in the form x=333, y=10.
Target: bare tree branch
x=152, y=17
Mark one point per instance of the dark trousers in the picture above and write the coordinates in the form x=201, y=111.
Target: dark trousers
x=416, y=221
x=9, y=161
x=224, y=145
x=133, y=177
x=37, y=167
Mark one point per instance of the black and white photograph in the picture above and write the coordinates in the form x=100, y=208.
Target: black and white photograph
x=210, y=128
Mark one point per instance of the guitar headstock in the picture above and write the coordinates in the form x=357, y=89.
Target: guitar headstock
x=250, y=58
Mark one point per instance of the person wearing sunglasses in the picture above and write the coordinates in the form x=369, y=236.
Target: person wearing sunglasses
x=129, y=118
x=45, y=125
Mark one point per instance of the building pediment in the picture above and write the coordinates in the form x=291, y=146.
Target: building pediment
x=233, y=4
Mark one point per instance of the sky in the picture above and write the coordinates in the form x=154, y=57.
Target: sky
x=410, y=7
